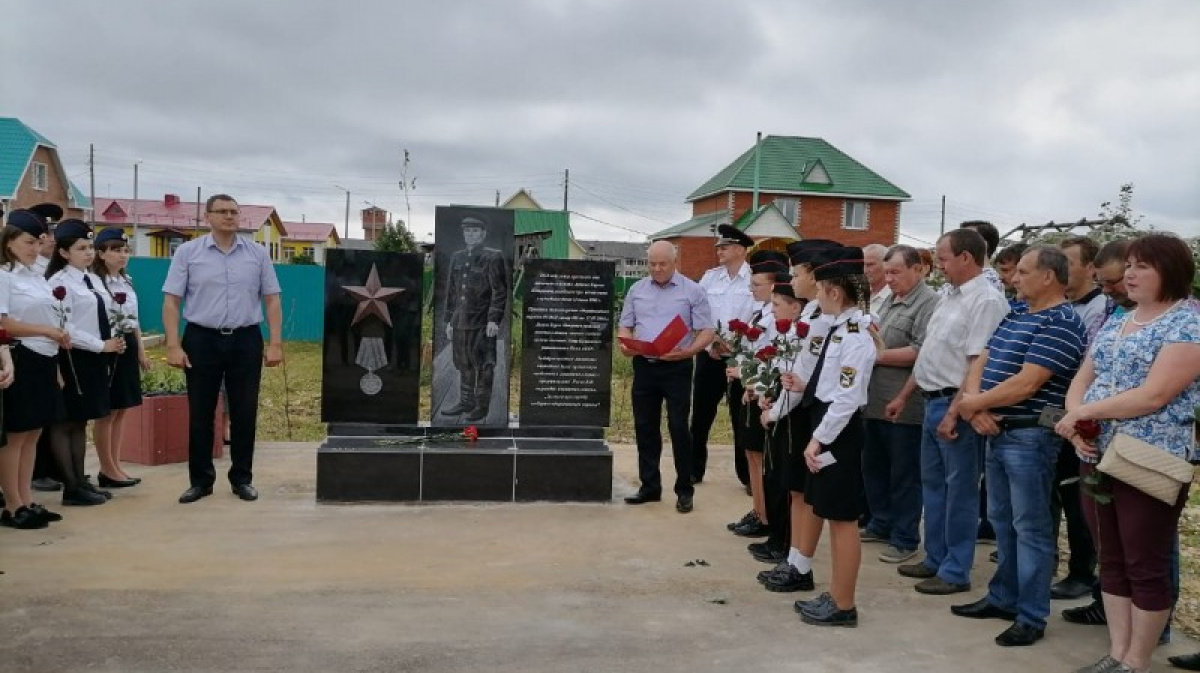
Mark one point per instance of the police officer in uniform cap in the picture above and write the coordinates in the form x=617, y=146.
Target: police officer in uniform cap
x=475, y=306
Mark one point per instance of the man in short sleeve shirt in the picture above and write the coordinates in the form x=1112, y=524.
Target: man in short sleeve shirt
x=951, y=450
x=222, y=281
x=650, y=305
x=1028, y=366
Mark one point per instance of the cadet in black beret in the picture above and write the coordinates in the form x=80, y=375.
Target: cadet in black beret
x=85, y=366
x=124, y=384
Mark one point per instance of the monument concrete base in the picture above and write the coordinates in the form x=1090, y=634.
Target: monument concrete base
x=416, y=463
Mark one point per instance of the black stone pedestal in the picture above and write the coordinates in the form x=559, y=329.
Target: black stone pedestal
x=413, y=463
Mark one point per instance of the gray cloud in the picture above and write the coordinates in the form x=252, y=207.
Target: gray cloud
x=1016, y=111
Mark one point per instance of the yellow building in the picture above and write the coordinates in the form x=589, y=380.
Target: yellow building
x=309, y=238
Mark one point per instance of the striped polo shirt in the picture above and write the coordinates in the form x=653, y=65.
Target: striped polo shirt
x=1053, y=338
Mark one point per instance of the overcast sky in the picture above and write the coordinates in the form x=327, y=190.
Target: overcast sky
x=1015, y=111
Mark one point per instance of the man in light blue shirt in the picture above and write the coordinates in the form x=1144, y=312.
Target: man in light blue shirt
x=650, y=305
x=222, y=281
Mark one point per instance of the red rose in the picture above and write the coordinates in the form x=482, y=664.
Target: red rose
x=801, y=329
x=120, y=298
x=753, y=333
x=782, y=325
x=1087, y=429
x=766, y=353
x=738, y=326
x=5, y=339
x=60, y=293
x=471, y=433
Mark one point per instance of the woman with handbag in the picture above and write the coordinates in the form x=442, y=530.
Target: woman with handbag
x=1131, y=408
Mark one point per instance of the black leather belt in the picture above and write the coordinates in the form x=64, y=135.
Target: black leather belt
x=223, y=331
x=1017, y=423
x=935, y=394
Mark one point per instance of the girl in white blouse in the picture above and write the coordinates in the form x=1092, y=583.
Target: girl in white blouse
x=125, y=384
x=33, y=401
x=85, y=366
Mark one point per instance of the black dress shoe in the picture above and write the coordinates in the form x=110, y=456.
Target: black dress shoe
x=478, y=414
x=1019, y=635
x=89, y=486
x=245, y=492
x=81, y=497
x=22, y=519
x=755, y=528
x=195, y=493
x=47, y=515
x=461, y=407
x=46, y=484
x=764, y=553
x=789, y=580
x=1069, y=589
x=640, y=498
x=982, y=609
x=684, y=504
x=1188, y=662
x=108, y=482
x=749, y=516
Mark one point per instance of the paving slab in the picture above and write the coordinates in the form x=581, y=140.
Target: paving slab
x=144, y=584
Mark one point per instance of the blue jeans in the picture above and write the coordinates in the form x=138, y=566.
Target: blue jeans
x=891, y=466
x=950, y=493
x=1020, y=474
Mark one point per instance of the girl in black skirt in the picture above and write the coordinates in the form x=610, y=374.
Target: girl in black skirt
x=834, y=396
x=33, y=400
x=85, y=366
x=125, y=384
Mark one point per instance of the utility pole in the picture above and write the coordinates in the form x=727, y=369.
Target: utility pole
x=497, y=198
x=943, y=213
x=135, y=208
x=757, y=165
x=92, y=178
x=346, y=226
x=566, y=186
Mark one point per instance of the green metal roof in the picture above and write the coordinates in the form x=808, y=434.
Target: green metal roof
x=786, y=160
x=17, y=144
x=557, y=246
x=709, y=219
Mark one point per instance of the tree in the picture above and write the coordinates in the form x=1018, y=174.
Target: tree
x=305, y=259
x=396, y=238
x=1119, y=220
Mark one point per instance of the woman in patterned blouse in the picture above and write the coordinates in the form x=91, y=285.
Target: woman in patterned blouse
x=1140, y=378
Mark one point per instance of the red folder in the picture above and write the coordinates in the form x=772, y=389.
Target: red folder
x=664, y=343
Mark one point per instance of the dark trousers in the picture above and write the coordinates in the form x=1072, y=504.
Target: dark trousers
x=1065, y=504
x=43, y=464
x=709, y=387
x=891, y=467
x=775, y=490
x=235, y=359
x=653, y=384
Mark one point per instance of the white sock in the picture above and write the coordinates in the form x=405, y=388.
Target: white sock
x=799, y=561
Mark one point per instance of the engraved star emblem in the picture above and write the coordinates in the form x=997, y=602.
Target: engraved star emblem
x=373, y=298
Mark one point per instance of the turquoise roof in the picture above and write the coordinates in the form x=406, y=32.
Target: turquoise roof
x=17, y=144
x=787, y=160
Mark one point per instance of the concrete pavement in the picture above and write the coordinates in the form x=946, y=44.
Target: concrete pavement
x=144, y=584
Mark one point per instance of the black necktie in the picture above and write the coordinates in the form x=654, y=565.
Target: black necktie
x=810, y=391
x=101, y=312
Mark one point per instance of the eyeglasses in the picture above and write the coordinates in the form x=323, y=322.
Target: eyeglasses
x=1109, y=282
x=225, y=211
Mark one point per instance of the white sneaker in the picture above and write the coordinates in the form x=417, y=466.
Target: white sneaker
x=894, y=554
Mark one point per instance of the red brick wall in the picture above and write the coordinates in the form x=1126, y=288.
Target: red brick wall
x=56, y=191
x=821, y=217
x=696, y=255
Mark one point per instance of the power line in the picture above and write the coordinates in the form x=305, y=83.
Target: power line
x=610, y=224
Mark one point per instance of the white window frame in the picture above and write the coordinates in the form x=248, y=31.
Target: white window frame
x=41, y=177
x=793, y=204
x=856, y=215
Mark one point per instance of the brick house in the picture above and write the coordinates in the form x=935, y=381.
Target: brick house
x=31, y=172
x=806, y=188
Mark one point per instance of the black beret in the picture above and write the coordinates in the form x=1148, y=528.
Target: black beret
x=846, y=261
x=768, y=261
x=50, y=212
x=30, y=223
x=72, y=228
x=801, y=252
x=783, y=285
x=111, y=234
